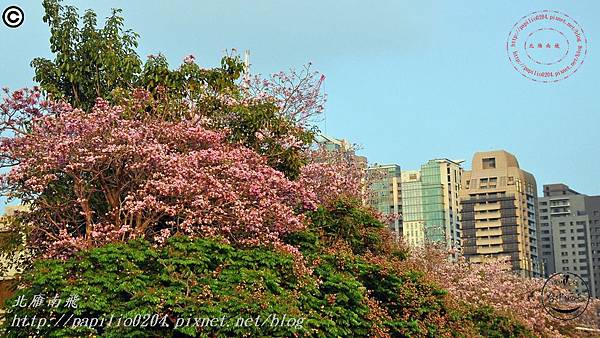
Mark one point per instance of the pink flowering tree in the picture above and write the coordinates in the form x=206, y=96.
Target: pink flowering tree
x=95, y=177
x=163, y=151
x=492, y=283
x=296, y=93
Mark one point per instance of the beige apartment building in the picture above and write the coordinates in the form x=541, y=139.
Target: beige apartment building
x=498, y=212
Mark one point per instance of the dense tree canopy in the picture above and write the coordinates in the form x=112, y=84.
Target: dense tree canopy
x=267, y=115
x=91, y=178
x=347, y=294
x=89, y=62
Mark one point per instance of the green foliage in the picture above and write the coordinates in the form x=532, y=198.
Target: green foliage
x=190, y=279
x=413, y=306
x=190, y=80
x=347, y=221
x=250, y=121
x=89, y=61
x=92, y=62
x=173, y=92
x=490, y=324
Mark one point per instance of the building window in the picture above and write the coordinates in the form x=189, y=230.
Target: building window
x=483, y=183
x=489, y=163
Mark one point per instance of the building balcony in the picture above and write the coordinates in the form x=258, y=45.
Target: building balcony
x=489, y=241
x=489, y=250
x=488, y=214
x=487, y=207
x=488, y=224
x=489, y=232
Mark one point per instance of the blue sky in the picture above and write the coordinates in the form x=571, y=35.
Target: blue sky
x=407, y=80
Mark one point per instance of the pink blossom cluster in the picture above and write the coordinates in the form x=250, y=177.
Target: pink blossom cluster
x=332, y=174
x=492, y=283
x=189, y=59
x=96, y=177
x=19, y=107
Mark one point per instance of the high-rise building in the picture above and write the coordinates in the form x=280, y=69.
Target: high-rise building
x=592, y=207
x=331, y=144
x=430, y=203
x=570, y=234
x=498, y=212
x=385, y=194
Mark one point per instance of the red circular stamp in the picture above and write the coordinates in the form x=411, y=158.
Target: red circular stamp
x=546, y=46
